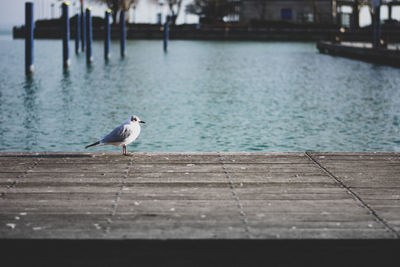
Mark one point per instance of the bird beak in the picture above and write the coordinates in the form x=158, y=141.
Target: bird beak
x=142, y=122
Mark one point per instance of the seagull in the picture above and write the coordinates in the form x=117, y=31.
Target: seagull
x=123, y=135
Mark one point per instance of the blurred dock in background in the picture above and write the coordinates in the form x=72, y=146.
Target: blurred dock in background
x=389, y=55
x=50, y=30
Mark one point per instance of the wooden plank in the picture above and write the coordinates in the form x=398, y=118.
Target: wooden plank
x=45, y=206
x=319, y=233
x=72, y=175
x=62, y=167
x=284, y=193
x=289, y=206
x=167, y=193
x=58, y=225
x=180, y=228
x=73, y=188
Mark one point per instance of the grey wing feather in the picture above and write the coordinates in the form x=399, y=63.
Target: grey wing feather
x=119, y=134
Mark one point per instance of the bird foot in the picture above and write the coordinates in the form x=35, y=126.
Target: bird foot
x=128, y=154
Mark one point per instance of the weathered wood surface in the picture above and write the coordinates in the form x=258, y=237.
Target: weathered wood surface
x=200, y=196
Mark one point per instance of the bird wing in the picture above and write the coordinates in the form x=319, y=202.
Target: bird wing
x=118, y=135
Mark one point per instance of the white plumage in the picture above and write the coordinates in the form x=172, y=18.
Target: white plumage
x=123, y=135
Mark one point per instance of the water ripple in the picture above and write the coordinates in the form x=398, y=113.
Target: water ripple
x=201, y=96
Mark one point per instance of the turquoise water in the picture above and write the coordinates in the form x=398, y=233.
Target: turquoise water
x=200, y=96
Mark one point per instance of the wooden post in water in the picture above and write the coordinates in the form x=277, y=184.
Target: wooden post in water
x=166, y=34
x=29, y=25
x=83, y=28
x=122, y=30
x=89, y=36
x=376, y=7
x=107, y=36
x=78, y=33
x=356, y=15
x=65, y=33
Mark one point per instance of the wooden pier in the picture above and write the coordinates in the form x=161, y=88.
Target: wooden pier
x=362, y=51
x=99, y=209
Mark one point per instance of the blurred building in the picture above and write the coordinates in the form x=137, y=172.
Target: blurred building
x=319, y=11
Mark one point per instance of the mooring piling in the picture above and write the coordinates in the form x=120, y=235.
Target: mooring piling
x=376, y=8
x=89, y=36
x=166, y=34
x=83, y=30
x=29, y=25
x=65, y=33
x=107, y=36
x=78, y=33
x=122, y=32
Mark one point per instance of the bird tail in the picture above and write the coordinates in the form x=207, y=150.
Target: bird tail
x=94, y=144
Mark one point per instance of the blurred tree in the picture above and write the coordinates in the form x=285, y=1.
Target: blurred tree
x=211, y=11
x=174, y=9
x=117, y=5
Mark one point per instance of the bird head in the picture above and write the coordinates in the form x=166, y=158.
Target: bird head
x=134, y=119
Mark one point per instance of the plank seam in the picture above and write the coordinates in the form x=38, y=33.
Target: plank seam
x=237, y=199
x=355, y=195
x=19, y=177
x=114, y=206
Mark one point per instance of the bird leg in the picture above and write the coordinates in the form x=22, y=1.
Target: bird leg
x=124, y=151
